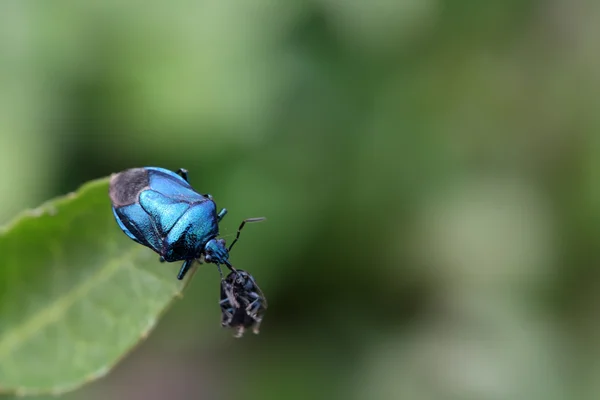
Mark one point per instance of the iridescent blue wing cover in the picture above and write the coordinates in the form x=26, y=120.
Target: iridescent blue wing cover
x=148, y=202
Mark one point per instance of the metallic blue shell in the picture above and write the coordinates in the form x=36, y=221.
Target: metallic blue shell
x=159, y=209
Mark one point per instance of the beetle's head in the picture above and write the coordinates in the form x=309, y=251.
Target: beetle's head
x=216, y=252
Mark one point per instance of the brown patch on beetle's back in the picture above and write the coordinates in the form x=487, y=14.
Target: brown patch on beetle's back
x=125, y=187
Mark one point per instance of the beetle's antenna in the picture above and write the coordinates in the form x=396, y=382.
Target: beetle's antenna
x=258, y=219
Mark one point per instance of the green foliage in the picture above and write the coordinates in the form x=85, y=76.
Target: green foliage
x=76, y=293
x=430, y=171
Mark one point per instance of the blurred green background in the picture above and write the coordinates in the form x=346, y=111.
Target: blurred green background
x=430, y=171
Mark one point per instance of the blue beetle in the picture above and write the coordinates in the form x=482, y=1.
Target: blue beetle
x=159, y=209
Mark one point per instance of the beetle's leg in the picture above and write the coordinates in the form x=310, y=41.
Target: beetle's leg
x=258, y=219
x=221, y=273
x=184, y=268
x=161, y=259
x=221, y=214
x=183, y=173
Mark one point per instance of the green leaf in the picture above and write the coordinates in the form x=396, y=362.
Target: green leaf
x=76, y=294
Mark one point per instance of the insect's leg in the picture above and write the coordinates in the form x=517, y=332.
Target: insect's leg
x=221, y=214
x=239, y=332
x=183, y=173
x=253, y=307
x=256, y=327
x=161, y=259
x=223, y=302
x=184, y=268
x=226, y=317
x=226, y=312
x=228, y=289
x=237, y=236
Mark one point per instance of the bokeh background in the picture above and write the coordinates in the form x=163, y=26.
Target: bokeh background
x=430, y=171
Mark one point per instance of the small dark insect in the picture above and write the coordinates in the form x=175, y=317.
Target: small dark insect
x=241, y=288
